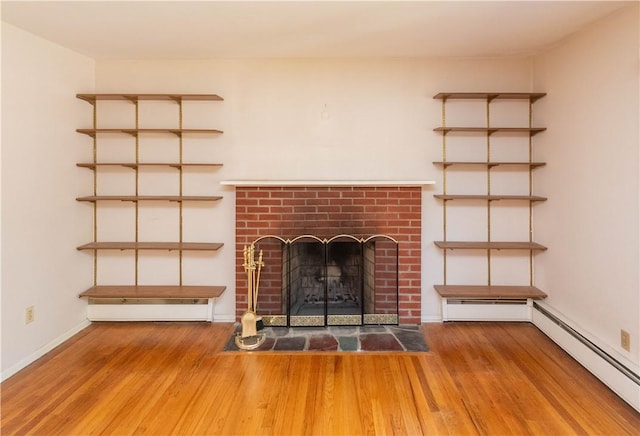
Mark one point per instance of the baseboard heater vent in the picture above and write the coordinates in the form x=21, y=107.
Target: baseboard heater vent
x=150, y=309
x=486, y=309
x=586, y=342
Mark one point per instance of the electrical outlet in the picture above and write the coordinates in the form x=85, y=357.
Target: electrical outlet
x=625, y=340
x=29, y=315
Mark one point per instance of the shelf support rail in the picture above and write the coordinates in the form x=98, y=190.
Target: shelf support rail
x=444, y=189
x=489, y=98
x=95, y=192
x=180, y=171
x=530, y=191
x=137, y=175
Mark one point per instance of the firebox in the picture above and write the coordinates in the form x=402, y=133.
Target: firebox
x=343, y=280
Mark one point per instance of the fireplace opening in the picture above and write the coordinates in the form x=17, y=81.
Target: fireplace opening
x=344, y=280
x=325, y=274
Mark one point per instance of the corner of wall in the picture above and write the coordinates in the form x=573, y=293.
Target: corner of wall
x=39, y=179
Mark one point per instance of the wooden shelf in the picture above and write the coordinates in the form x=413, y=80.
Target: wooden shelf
x=147, y=164
x=92, y=98
x=133, y=290
x=478, y=245
x=489, y=197
x=510, y=297
x=531, y=165
x=148, y=198
x=491, y=130
x=154, y=292
x=135, y=132
x=179, y=246
x=531, y=96
x=483, y=292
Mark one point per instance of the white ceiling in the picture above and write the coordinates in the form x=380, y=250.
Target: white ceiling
x=242, y=29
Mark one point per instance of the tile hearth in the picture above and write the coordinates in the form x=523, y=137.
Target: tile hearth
x=334, y=338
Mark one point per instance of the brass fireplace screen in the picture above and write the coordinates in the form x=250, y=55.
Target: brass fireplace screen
x=342, y=280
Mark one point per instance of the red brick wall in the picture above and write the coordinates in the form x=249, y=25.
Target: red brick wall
x=288, y=212
x=385, y=299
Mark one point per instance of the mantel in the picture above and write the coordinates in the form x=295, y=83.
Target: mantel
x=300, y=183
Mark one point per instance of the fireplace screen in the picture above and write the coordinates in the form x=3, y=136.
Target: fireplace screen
x=339, y=281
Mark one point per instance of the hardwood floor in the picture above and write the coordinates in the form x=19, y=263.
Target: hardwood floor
x=171, y=378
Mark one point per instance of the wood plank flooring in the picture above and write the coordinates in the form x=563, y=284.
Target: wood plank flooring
x=172, y=379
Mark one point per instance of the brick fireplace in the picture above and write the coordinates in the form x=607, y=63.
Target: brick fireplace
x=288, y=212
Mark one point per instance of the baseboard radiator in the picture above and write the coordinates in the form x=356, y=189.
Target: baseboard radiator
x=614, y=373
x=485, y=309
x=150, y=309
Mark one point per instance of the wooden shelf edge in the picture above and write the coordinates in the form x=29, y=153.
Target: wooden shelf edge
x=92, y=98
x=134, y=132
x=489, y=197
x=92, y=198
x=490, y=164
x=488, y=292
x=491, y=130
x=484, y=245
x=171, y=246
x=531, y=96
x=153, y=292
x=134, y=165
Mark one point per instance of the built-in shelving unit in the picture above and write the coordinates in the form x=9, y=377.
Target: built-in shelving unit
x=479, y=301
x=170, y=293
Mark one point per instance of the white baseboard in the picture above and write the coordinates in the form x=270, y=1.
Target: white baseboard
x=224, y=317
x=43, y=350
x=619, y=375
x=431, y=318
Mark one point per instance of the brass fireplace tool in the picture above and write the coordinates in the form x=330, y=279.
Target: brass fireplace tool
x=249, y=338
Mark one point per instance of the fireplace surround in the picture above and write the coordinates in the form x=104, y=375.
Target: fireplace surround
x=324, y=211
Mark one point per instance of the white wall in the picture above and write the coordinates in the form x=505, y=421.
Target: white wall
x=591, y=219
x=41, y=221
x=379, y=125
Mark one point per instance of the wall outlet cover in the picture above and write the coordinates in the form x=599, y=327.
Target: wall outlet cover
x=625, y=340
x=29, y=315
